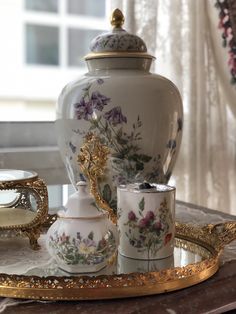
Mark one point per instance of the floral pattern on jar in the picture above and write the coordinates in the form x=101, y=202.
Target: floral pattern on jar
x=128, y=162
x=127, y=158
x=118, y=41
x=148, y=231
x=82, y=250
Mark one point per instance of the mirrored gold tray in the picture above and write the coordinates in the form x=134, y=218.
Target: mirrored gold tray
x=195, y=259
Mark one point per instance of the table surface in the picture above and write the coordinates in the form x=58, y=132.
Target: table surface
x=215, y=295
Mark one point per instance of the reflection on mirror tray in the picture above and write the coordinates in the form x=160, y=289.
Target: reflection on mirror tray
x=41, y=264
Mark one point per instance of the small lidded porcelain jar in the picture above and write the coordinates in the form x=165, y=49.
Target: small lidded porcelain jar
x=83, y=238
x=146, y=220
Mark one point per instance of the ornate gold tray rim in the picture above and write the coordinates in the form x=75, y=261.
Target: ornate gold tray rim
x=211, y=237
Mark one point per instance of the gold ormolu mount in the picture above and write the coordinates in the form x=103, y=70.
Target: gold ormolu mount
x=92, y=161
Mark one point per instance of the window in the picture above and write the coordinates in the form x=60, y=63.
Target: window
x=42, y=5
x=42, y=44
x=66, y=42
x=43, y=49
x=88, y=7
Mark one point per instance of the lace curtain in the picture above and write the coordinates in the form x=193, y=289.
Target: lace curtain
x=183, y=36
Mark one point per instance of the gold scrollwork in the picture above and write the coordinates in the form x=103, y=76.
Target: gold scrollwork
x=92, y=161
x=216, y=236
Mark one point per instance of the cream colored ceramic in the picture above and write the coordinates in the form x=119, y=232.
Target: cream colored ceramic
x=146, y=220
x=82, y=239
x=138, y=114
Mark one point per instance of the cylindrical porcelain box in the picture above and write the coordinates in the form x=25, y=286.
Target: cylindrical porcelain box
x=146, y=220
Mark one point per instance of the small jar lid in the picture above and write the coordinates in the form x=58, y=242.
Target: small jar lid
x=117, y=42
x=81, y=204
x=146, y=187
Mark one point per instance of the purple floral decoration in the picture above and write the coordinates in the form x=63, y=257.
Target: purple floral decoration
x=100, y=81
x=109, y=123
x=89, y=242
x=83, y=110
x=98, y=101
x=115, y=116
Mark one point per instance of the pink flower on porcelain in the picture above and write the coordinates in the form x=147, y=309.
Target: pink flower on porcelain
x=150, y=215
x=131, y=216
x=158, y=225
x=143, y=223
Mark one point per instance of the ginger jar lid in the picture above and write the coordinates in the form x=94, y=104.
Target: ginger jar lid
x=117, y=42
x=81, y=204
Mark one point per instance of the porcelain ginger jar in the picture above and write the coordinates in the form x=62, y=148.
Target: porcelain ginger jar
x=138, y=114
x=82, y=239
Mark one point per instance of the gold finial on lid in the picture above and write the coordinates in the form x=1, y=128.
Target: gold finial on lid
x=117, y=18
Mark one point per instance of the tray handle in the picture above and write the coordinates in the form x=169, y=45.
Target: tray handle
x=224, y=232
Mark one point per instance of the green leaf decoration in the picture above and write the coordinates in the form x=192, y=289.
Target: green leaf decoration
x=139, y=157
x=144, y=158
x=113, y=205
x=119, y=133
x=141, y=204
x=93, y=127
x=139, y=166
x=91, y=235
x=122, y=141
x=106, y=193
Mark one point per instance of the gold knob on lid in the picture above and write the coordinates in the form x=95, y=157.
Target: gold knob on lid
x=117, y=18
